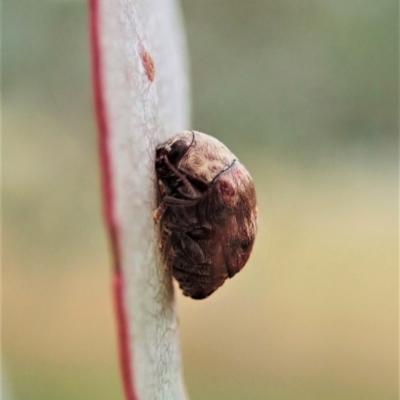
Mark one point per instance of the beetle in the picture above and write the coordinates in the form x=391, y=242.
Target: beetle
x=207, y=212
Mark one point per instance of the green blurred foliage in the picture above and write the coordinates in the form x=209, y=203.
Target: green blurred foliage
x=306, y=94
x=302, y=73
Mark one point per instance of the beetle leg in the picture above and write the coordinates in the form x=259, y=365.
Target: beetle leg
x=200, y=232
x=159, y=212
x=171, y=201
x=191, y=249
x=174, y=201
x=192, y=193
x=165, y=234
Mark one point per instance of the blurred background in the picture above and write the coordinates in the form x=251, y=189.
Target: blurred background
x=306, y=94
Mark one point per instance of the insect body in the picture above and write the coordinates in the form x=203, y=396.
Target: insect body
x=207, y=212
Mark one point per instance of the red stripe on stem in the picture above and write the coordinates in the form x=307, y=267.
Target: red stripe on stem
x=123, y=335
x=107, y=190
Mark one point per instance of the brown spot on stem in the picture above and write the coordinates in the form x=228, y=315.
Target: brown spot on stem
x=148, y=64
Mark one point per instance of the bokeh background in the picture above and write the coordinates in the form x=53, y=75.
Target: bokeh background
x=306, y=94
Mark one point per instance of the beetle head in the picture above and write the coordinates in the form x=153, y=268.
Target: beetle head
x=172, y=151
